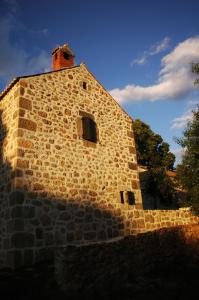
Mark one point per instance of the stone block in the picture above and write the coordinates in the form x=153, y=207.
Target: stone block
x=15, y=225
x=27, y=124
x=17, y=212
x=28, y=212
x=17, y=173
x=65, y=216
x=22, y=240
x=28, y=257
x=24, y=164
x=90, y=235
x=132, y=166
x=25, y=103
x=135, y=184
x=25, y=143
x=45, y=220
x=14, y=258
x=132, y=150
x=38, y=186
x=70, y=236
x=16, y=197
x=39, y=233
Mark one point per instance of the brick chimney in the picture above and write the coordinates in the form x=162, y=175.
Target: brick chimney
x=62, y=57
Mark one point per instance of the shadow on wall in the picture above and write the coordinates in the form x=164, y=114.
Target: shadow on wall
x=42, y=223
x=162, y=263
x=6, y=174
x=34, y=221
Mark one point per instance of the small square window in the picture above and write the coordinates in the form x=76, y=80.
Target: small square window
x=122, y=197
x=131, y=198
x=84, y=85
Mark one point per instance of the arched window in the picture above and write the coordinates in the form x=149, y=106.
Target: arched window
x=89, y=129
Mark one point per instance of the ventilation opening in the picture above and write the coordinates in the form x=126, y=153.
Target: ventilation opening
x=131, y=198
x=122, y=197
x=66, y=55
x=55, y=55
x=84, y=85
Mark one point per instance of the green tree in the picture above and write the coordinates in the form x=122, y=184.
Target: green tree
x=195, y=69
x=188, y=170
x=152, y=151
x=161, y=186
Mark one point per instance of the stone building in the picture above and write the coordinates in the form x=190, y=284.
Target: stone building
x=68, y=162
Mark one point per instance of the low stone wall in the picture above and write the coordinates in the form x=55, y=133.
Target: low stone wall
x=104, y=269
x=139, y=220
x=92, y=226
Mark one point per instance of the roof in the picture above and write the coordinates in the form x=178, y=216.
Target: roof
x=16, y=79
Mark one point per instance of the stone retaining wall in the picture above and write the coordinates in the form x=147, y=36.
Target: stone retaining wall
x=137, y=221
x=130, y=264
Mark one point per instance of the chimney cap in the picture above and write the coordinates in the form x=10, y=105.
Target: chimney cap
x=63, y=48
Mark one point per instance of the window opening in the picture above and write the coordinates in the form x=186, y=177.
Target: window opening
x=84, y=85
x=131, y=198
x=66, y=55
x=122, y=197
x=89, y=129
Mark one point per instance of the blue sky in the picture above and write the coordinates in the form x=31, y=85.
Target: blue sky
x=141, y=51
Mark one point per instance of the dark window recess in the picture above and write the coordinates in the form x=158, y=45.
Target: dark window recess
x=66, y=55
x=131, y=198
x=122, y=197
x=84, y=85
x=89, y=129
x=55, y=55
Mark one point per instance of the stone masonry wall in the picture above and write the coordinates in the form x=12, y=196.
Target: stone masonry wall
x=148, y=264
x=67, y=189
x=56, y=187
x=139, y=220
x=8, y=152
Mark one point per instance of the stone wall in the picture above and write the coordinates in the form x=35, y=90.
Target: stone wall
x=58, y=188
x=150, y=263
x=8, y=153
x=67, y=188
x=139, y=220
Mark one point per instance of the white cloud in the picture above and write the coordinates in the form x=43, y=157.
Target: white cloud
x=178, y=154
x=159, y=47
x=155, y=49
x=175, y=77
x=181, y=121
x=15, y=60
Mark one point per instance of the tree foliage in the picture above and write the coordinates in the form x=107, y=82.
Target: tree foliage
x=188, y=170
x=160, y=185
x=195, y=69
x=152, y=151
